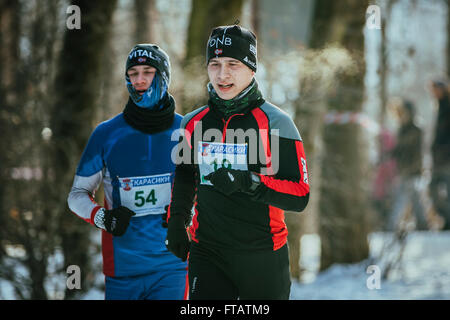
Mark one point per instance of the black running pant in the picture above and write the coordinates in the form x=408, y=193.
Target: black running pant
x=222, y=274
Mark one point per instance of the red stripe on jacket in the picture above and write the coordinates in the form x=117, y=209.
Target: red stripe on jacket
x=278, y=227
x=107, y=251
x=186, y=288
x=263, y=125
x=302, y=166
x=285, y=186
x=194, y=226
x=296, y=188
x=190, y=126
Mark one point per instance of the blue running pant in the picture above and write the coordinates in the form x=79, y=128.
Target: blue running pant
x=161, y=285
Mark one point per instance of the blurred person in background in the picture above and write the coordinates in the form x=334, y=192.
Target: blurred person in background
x=385, y=177
x=440, y=181
x=408, y=157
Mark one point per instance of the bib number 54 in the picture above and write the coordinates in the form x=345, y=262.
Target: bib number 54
x=141, y=199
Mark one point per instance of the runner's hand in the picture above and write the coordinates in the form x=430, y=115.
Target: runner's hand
x=229, y=181
x=177, y=240
x=114, y=221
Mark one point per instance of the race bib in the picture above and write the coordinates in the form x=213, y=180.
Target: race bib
x=146, y=195
x=213, y=155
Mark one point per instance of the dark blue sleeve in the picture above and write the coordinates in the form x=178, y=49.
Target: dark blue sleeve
x=91, y=160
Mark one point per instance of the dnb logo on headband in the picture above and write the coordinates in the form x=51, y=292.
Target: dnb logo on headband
x=218, y=41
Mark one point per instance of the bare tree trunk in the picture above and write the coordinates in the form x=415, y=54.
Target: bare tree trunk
x=9, y=46
x=256, y=20
x=42, y=38
x=343, y=225
x=198, y=30
x=24, y=101
x=143, y=28
x=77, y=88
x=448, y=39
x=205, y=15
x=384, y=61
x=383, y=71
x=310, y=109
x=9, y=49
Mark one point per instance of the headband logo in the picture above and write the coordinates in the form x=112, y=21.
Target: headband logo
x=143, y=53
x=246, y=59
x=216, y=41
x=142, y=60
x=253, y=49
x=218, y=51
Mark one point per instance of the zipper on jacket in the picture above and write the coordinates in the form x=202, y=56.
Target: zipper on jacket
x=224, y=131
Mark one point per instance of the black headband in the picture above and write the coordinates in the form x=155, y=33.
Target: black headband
x=235, y=42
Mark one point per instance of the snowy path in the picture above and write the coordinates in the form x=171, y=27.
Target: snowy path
x=423, y=274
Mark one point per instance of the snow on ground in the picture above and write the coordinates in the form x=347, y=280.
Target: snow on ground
x=424, y=271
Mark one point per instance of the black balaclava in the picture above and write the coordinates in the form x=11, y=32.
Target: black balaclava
x=153, y=111
x=151, y=55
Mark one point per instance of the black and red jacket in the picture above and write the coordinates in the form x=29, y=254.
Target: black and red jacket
x=243, y=221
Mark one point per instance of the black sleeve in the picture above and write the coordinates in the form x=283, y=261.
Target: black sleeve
x=183, y=190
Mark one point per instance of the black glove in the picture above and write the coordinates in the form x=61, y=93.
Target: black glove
x=164, y=217
x=114, y=221
x=164, y=223
x=177, y=240
x=228, y=181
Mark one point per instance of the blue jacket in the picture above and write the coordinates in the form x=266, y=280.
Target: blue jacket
x=137, y=172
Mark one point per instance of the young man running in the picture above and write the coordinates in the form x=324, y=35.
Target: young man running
x=130, y=154
x=241, y=159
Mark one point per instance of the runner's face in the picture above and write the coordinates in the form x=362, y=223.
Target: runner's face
x=229, y=76
x=141, y=77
